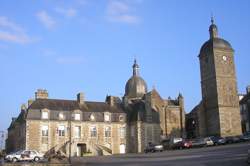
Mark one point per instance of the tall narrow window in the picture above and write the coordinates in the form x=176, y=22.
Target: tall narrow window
x=61, y=130
x=122, y=132
x=108, y=131
x=93, y=131
x=77, y=132
x=45, y=131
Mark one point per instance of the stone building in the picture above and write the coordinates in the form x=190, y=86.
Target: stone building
x=245, y=111
x=218, y=113
x=78, y=127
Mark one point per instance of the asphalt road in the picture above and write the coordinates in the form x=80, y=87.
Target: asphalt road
x=227, y=155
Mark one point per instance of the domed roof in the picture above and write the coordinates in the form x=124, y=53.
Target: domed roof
x=135, y=86
x=216, y=43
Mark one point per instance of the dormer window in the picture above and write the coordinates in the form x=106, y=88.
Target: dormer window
x=107, y=117
x=61, y=116
x=45, y=115
x=121, y=118
x=77, y=116
x=92, y=117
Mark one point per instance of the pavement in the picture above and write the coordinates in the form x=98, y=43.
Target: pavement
x=226, y=155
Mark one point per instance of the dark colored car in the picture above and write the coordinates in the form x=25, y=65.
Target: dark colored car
x=198, y=142
x=232, y=139
x=218, y=140
x=245, y=137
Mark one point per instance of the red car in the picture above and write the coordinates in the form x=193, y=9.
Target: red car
x=187, y=144
x=182, y=145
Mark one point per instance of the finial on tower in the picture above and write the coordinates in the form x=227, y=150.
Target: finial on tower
x=135, y=68
x=212, y=18
x=213, y=31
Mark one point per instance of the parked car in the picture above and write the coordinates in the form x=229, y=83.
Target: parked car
x=24, y=155
x=182, y=145
x=14, y=156
x=232, y=139
x=218, y=140
x=245, y=137
x=153, y=148
x=209, y=141
x=198, y=142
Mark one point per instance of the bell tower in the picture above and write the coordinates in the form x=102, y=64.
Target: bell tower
x=219, y=86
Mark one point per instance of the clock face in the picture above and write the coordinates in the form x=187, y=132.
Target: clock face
x=224, y=58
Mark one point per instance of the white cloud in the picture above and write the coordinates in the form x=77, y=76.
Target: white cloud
x=46, y=19
x=121, y=11
x=69, y=13
x=70, y=60
x=11, y=32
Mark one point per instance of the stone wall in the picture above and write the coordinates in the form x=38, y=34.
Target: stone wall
x=36, y=141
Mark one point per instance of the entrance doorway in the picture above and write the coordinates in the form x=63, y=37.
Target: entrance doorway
x=81, y=149
x=122, y=148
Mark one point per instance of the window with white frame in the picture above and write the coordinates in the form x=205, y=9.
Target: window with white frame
x=77, y=132
x=92, y=117
x=61, y=116
x=45, y=131
x=93, y=132
x=77, y=116
x=107, y=131
x=61, y=130
x=122, y=132
x=45, y=115
x=107, y=117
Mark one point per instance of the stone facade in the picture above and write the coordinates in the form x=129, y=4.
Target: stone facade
x=79, y=127
x=218, y=113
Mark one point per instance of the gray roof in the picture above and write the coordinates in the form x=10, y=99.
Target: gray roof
x=56, y=106
x=215, y=43
x=135, y=87
x=70, y=105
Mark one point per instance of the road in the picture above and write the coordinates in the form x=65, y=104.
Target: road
x=227, y=155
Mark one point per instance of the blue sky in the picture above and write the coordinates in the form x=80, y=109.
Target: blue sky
x=88, y=46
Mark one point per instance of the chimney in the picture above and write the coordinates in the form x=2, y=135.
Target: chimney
x=112, y=100
x=248, y=89
x=41, y=94
x=30, y=101
x=80, y=98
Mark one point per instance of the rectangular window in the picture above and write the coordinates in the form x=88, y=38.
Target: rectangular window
x=93, y=131
x=45, y=131
x=122, y=132
x=77, y=116
x=107, y=131
x=132, y=131
x=77, y=132
x=61, y=130
x=107, y=117
x=45, y=115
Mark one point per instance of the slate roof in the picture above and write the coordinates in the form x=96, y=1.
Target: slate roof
x=245, y=98
x=70, y=105
x=56, y=106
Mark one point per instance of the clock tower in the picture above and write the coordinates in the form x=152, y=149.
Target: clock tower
x=220, y=100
